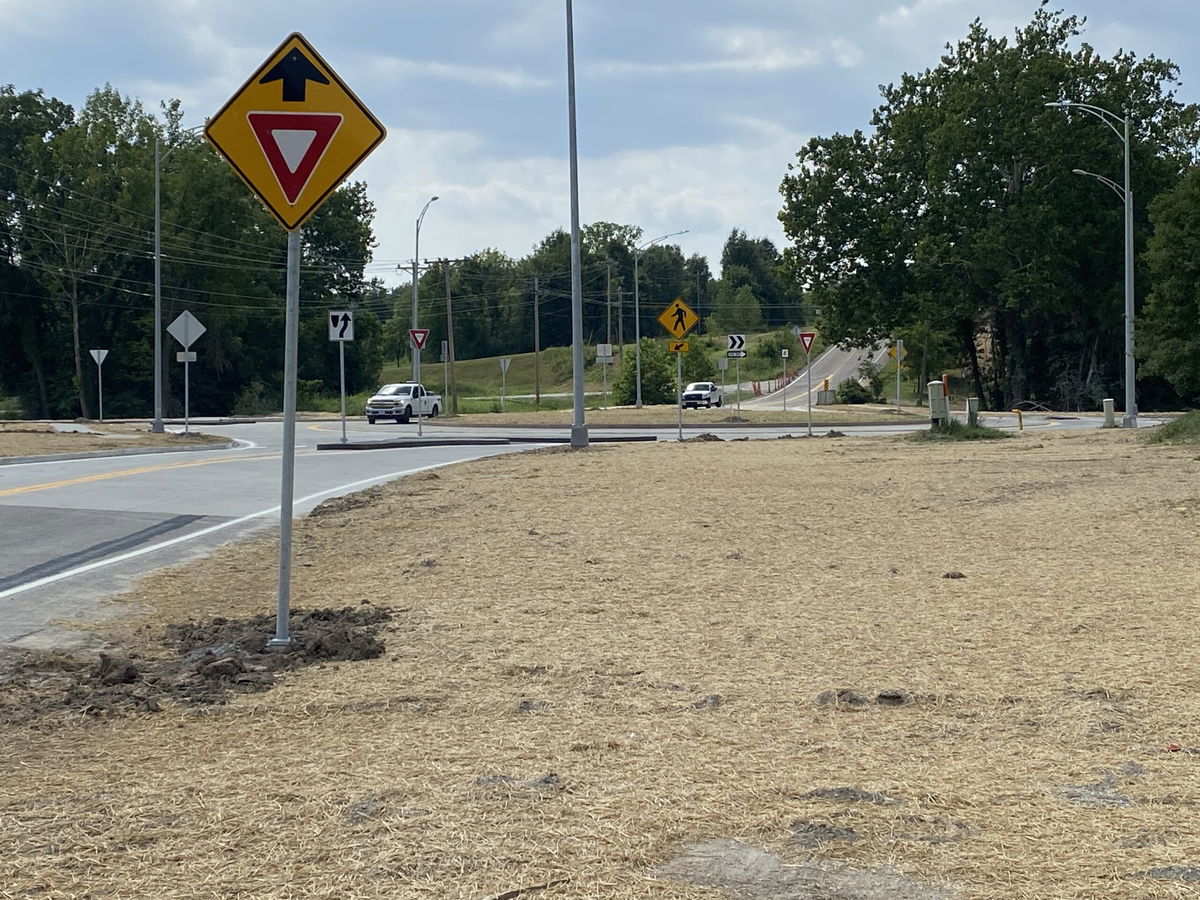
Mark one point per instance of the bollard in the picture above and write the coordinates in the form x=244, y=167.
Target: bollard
x=972, y=411
x=1110, y=419
x=1020, y=420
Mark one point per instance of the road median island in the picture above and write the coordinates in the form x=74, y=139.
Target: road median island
x=861, y=665
x=40, y=441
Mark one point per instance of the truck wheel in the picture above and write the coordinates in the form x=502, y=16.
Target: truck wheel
x=720, y=400
x=403, y=419
x=370, y=420
x=433, y=413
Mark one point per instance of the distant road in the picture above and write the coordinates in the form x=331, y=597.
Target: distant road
x=833, y=363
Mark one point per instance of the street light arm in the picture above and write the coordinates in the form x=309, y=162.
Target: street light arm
x=649, y=244
x=1120, y=191
x=1111, y=119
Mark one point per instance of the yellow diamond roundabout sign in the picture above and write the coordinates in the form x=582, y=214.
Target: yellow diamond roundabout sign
x=294, y=131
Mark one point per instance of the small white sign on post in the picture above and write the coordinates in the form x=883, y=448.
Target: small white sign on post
x=341, y=325
x=186, y=329
x=98, y=356
x=504, y=364
x=341, y=329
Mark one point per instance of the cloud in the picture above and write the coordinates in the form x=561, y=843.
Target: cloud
x=903, y=16
x=480, y=76
x=747, y=50
x=512, y=204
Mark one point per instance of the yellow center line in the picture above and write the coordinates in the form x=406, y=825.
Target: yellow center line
x=141, y=470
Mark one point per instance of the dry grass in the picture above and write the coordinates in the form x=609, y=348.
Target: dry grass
x=653, y=625
x=39, y=438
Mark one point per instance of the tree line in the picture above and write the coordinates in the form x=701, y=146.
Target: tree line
x=959, y=222
x=77, y=264
x=953, y=220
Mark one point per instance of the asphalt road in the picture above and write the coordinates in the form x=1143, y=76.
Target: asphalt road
x=78, y=530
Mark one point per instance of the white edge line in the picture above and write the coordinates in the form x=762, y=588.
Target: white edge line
x=142, y=551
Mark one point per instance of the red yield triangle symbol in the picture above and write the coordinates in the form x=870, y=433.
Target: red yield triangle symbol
x=419, y=337
x=293, y=144
x=806, y=338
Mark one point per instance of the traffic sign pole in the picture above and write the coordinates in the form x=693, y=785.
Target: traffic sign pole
x=342, y=374
x=187, y=380
x=899, y=365
x=283, y=598
x=808, y=365
x=679, y=389
x=293, y=132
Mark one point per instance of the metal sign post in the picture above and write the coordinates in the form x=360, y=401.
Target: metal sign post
x=98, y=356
x=341, y=329
x=293, y=132
x=806, y=341
x=604, y=358
x=679, y=389
x=505, y=362
x=186, y=329
x=419, y=337
x=736, y=350
x=783, y=381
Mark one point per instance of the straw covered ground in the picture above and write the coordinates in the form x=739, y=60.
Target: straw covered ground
x=837, y=668
x=40, y=438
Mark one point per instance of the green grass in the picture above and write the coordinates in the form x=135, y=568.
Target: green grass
x=481, y=377
x=957, y=431
x=1184, y=430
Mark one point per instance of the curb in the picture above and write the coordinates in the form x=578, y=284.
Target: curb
x=470, y=442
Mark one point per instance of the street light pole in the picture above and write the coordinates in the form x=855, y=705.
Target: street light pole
x=637, y=311
x=1126, y=194
x=416, y=354
x=579, y=431
x=157, y=425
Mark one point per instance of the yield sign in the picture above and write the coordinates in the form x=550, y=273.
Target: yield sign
x=294, y=131
x=806, y=338
x=293, y=144
x=419, y=337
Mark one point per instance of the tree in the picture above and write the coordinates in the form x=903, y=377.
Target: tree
x=658, y=376
x=959, y=212
x=1169, y=328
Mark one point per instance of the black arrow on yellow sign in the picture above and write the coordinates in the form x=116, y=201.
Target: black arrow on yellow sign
x=295, y=71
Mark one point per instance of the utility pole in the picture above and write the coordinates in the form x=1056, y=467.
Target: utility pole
x=450, y=341
x=608, y=304
x=621, y=320
x=537, y=351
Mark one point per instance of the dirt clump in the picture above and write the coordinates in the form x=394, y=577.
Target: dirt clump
x=200, y=663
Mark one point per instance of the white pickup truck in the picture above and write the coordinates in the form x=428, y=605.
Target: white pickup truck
x=403, y=401
x=702, y=393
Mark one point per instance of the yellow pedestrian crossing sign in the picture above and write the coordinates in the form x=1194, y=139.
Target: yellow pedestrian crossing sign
x=678, y=318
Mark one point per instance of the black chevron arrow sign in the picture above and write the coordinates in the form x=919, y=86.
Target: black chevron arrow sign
x=737, y=341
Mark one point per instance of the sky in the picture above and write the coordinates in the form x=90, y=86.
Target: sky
x=688, y=111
